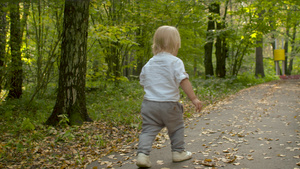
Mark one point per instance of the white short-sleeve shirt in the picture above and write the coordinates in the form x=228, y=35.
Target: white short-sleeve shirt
x=161, y=77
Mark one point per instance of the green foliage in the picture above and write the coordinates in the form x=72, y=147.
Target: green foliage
x=116, y=104
x=66, y=136
x=64, y=120
x=248, y=80
x=120, y=34
x=20, y=115
x=27, y=125
x=214, y=89
x=100, y=141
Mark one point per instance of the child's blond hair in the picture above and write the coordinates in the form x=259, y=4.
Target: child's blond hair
x=166, y=39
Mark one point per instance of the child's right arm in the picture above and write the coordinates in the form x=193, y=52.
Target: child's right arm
x=188, y=89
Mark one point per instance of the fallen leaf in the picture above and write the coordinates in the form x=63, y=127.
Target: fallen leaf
x=239, y=157
x=280, y=155
x=111, y=156
x=229, y=160
x=160, y=162
x=208, y=160
x=236, y=163
x=207, y=164
x=198, y=167
x=235, y=149
x=250, y=158
x=225, y=151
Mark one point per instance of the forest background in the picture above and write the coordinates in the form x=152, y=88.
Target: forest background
x=227, y=45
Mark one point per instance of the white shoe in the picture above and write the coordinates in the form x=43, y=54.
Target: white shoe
x=181, y=156
x=143, y=160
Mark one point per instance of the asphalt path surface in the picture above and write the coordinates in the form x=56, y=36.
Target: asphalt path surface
x=257, y=128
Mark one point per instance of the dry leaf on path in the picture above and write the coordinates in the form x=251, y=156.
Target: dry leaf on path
x=160, y=162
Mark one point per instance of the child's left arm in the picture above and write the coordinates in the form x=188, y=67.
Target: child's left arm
x=188, y=89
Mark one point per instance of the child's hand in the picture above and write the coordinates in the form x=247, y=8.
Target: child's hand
x=197, y=104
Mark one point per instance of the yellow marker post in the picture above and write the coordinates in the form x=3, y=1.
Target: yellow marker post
x=279, y=55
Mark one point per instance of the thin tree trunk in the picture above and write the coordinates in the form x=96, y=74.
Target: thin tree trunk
x=286, y=43
x=272, y=24
x=294, y=51
x=140, y=41
x=259, y=64
x=218, y=44
x=196, y=58
x=221, y=47
x=71, y=99
x=15, y=90
x=209, y=70
x=259, y=59
x=38, y=25
x=3, y=31
x=239, y=55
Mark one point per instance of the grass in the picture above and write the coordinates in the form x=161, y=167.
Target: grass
x=214, y=89
x=117, y=105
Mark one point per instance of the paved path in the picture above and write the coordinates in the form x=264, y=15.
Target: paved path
x=258, y=128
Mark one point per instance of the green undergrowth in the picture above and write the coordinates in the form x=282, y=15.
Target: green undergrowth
x=214, y=89
x=115, y=104
x=118, y=104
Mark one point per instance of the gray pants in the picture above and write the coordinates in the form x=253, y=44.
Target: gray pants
x=157, y=115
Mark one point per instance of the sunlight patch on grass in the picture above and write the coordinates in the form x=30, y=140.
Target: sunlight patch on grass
x=3, y=95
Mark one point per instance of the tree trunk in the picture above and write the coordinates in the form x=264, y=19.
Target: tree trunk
x=218, y=44
x=209, y=70
x=3, y=31
x=15, y=90
x=140, y=51
x=71, y=99
x=259, y=59
x=273, y=29
x=196, y=58
x=286, y=43
x=113, y=54
x=140, y=41
x=259, y=64
x=294, y=48
x=221, y=47
x=38, y=30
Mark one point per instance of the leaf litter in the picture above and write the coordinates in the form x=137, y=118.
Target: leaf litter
x=72, y=147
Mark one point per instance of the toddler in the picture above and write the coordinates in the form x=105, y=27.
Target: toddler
x=161, y=77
